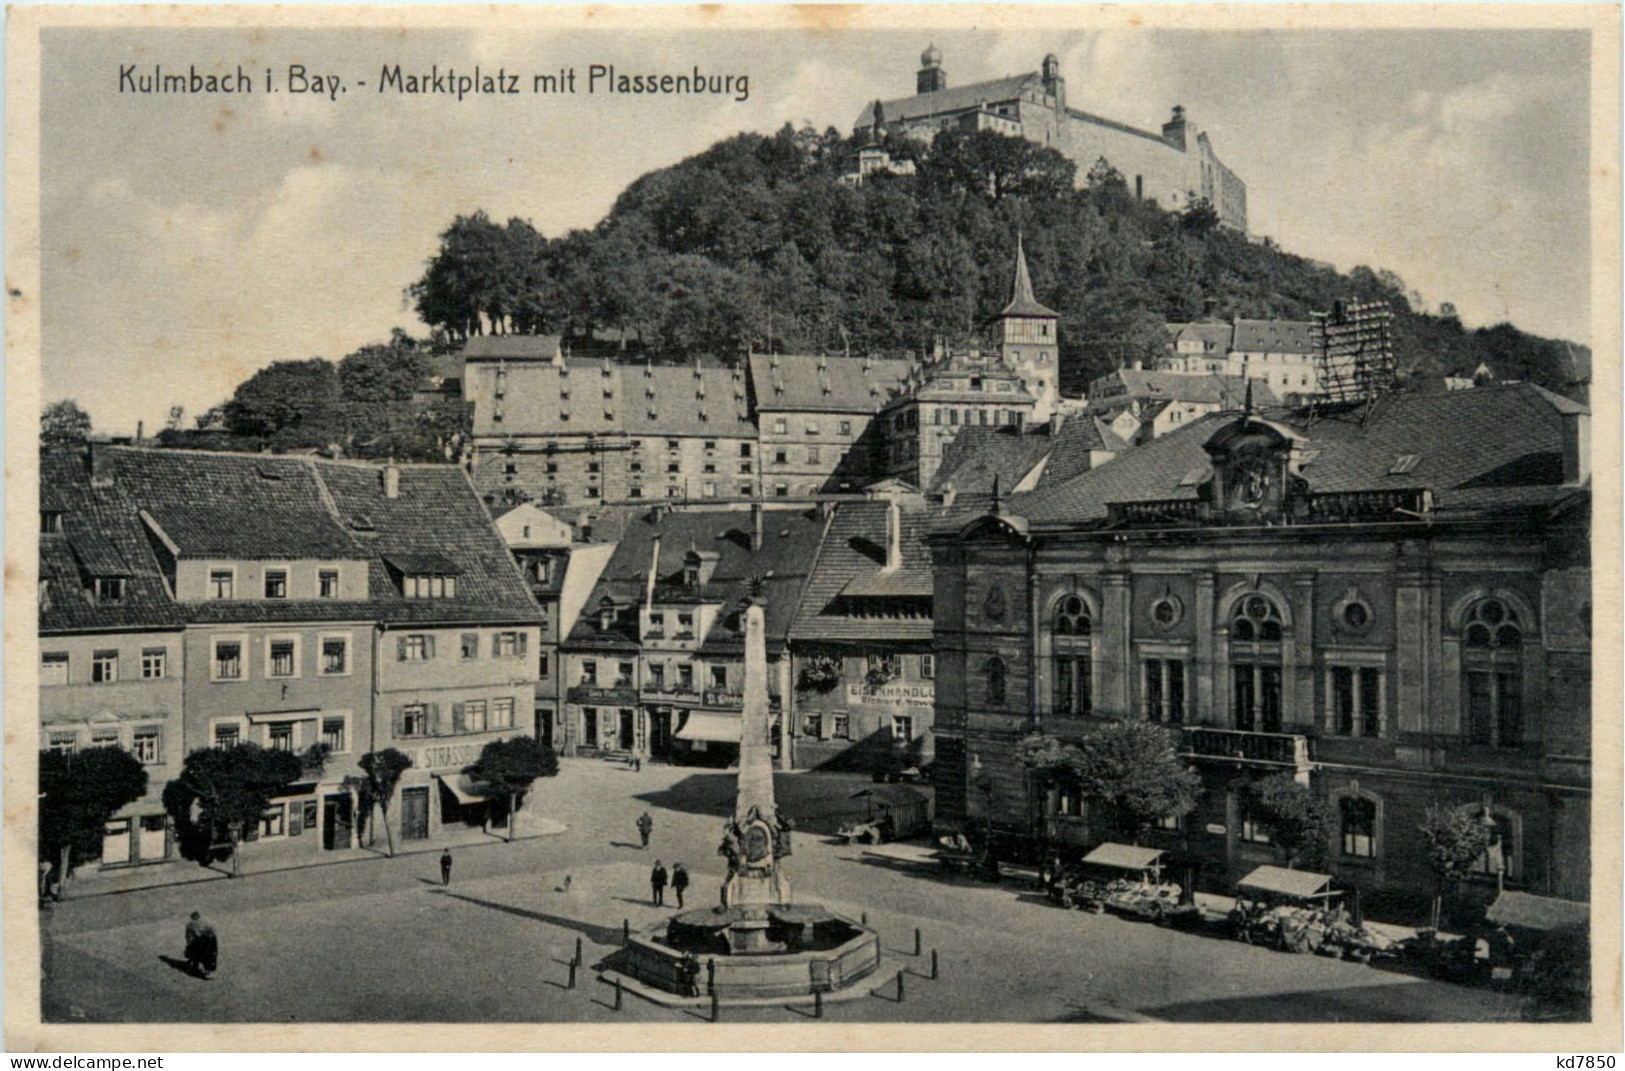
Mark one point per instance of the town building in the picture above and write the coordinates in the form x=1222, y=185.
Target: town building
x=861, y=658
x=1279, y=353
x=1139, y=406
x=327, y=609
x=1389, y=600
x=812, y=414
x=1175, y=167
x=573, y=431
x=654, y=665
x=1024, y=458
x=876, y=160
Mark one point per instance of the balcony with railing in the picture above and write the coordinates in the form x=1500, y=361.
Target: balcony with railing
x=1158, y=511
x=1236, y=745
x=1348, y=507
x=671, y=692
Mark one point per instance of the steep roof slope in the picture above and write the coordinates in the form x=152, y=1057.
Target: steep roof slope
x=850, y=596
x=833, y=384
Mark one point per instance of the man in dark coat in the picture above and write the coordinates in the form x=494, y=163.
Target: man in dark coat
x=657, y=883
x=679, y=881
x=202, y=946
x=445, y=867
x=646, y=826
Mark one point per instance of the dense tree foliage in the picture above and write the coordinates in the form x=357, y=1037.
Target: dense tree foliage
x=79, y=792
x=1457, y=839
x=507, y=768
x=63, y=426
x=1132, y=769
x=1299, y=822
x=221, y=793
x=757, y=242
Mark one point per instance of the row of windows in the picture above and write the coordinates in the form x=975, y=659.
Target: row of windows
x=470, y=716
x=223, y=583
x=839, y=726
x=228, y=661
x=106, y=667
x=145, y=743
x=812, y=427
x=421, y=647
x=294, y=734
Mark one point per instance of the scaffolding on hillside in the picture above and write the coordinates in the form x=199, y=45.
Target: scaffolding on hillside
x=1354, y=351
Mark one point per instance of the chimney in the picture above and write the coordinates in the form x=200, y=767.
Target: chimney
x=1576, y=447
x=392, y=480
x=894, y=536
x=140, y=431
x=100, y=461
x=1056, y=421
x=1210, y=305
x=1173, y=131
x=949, y=494
x=755, y=526
x=654, y=573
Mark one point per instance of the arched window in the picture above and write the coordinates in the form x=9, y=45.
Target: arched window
x=1070, y=636
x=1492, y=674
x=1255, y=664
x=994, y=670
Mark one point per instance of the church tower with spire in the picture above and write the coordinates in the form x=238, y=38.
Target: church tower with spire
x=1029, y=343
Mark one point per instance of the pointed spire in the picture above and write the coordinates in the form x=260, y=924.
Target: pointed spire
x=1247, y=405
x=1022, y=300
x=998, y=496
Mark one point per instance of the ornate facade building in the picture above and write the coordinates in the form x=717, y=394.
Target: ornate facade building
x=1389, y=601
x=1173, y=168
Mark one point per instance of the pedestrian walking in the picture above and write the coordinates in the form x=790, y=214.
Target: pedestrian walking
x=445, y=867
x=679, y=881
x=657, y=883
x=646, y=826
x=202, y=947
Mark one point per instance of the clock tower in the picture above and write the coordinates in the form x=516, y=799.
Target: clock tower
x=1029, y=341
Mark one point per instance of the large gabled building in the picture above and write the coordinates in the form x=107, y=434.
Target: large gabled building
x=1389, y=602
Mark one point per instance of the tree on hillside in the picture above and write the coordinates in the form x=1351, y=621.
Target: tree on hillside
x=384, y=769
x=1300, y=824
x=995, y=166
x=79, y=792
x=507, y=769
x=63, y=426
x=1135, y=769
x=293, y=403
x=221, y=792
x=1457, y=839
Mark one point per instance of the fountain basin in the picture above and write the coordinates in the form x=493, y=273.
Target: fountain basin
x=813, y=950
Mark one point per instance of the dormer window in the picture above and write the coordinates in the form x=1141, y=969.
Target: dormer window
x=429, y=586
x=424, y=576
x=50, y=522
x=691, y=575
x=108, y=590
x=606, y=615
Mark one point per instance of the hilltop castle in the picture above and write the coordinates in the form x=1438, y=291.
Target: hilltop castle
x=1172, y=168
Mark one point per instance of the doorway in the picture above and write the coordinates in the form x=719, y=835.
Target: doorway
x=627, y=739
x=415, y=813
x=337, y=820
x=660, y=733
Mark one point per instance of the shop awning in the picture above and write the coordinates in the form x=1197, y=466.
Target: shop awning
x=260, y=717
x=719, y=728
x=1282, y=882
x=465, y=788
x=1123, y=856
x=1530, y=912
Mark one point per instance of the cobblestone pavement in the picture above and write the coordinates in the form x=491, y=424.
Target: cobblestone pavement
x=382, y=940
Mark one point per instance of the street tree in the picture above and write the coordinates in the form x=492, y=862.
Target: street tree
x=507, y=769
x=384, y=769
x=1135, y=769
x=221, y=792
x=1299, y=822
x=63, y=426
x=79, y=792
x=1457, y=839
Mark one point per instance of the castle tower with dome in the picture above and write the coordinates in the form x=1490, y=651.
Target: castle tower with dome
x=1173, y=168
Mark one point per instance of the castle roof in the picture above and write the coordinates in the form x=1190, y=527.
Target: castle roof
x=1022, y=301
x=805, y=382
x=959, y=98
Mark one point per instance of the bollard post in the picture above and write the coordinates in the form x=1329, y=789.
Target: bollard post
x=933, y=964
x=578, y=951
x=617, y=994
x=818, y=1004
x=716, y=1008
x=916, y=940
x=711, y=977
x=899, y=987
x=626, y=931
x=866, y=918
x=572, y=984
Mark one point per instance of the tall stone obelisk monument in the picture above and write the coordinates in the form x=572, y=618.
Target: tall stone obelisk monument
x=756, y=837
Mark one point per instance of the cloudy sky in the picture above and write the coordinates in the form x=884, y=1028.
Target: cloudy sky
x=190, y=240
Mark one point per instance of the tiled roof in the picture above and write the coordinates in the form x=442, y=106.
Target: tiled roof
x=848, y=592
x=1215, y=337
x=1082, y=436
x=1228, y=391
x=1274, y=336
x=804, y=382
x=790, y=541
x=599, y=397
x=957, y=98
x=976, y=454
x=252, y=507
x=1475, y=450
x=512, y=347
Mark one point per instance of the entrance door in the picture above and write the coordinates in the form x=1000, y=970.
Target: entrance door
x=336, y=822
x=414, y=813
x=627, y=739
x=154, y=838
x=589, y=727
x=544, y=726
x=660, y=733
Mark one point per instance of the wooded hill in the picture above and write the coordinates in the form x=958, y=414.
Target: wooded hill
x=757, y=244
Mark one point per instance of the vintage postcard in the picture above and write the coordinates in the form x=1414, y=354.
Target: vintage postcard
x=813, y=528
